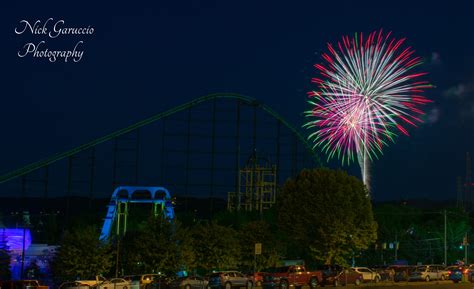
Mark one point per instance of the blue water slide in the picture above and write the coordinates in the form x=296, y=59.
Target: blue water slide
x=127, y=194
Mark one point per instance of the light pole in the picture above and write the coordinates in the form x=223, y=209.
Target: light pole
x=445, y=242
x=465, y=244
x=396, y=247
x=23, y=254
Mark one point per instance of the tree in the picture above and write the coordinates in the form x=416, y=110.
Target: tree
x=429, y=234
x=257, y=232
x=47, y=229
x=5, y=273
x=397, y=223
x=327, y=215
x=82, y=255
x=420, y=233
x=216, y=246
x=187, y=253
x=160, y=246
x=33, y=271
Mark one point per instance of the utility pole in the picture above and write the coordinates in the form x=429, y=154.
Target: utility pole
x=23, y=254
x=445, y=243
x=258, y=251
x=465, y=243
x=396, y=247
x=384, y=246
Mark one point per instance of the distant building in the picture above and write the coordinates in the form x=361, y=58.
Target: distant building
x=25, y=255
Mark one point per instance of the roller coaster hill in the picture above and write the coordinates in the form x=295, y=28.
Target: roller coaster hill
x=216, y=152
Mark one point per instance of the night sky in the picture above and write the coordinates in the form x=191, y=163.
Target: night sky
x=145, y=58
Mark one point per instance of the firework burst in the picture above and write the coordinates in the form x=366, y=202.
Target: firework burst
x=367, y=94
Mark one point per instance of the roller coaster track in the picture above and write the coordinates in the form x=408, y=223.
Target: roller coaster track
x=245, y=99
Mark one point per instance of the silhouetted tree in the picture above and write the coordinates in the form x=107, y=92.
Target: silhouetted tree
x=420, y=233
x=216, y=246
x=258, y=232
x=327, y=215
x=5, y=273
x=82, y=255
x=159, y=246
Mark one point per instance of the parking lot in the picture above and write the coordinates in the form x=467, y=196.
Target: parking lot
x=421, y=285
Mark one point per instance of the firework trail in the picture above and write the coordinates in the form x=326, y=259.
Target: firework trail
x=367, y=94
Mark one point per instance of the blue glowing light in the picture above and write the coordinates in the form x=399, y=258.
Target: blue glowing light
x=16, y=237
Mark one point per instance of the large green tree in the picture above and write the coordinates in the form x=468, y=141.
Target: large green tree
x=327, y=215
x=82, y=255
x=216, y=246
x=159, y=246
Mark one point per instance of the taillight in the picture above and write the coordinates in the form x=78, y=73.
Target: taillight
x=449, y=272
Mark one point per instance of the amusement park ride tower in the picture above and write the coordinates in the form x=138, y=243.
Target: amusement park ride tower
x=256, y=187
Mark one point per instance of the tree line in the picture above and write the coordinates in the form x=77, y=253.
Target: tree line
x=321, y=216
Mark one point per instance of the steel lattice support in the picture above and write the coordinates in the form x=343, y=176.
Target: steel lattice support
x=201, y=147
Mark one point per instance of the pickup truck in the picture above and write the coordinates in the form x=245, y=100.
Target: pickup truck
x=295, y=275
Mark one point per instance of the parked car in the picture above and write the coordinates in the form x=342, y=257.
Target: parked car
x=83, y=284
x=72, y=285
x=470, y=272
x=368, y=275
x=141, y=281
x=444, y=272
x=428, y=273
x=22, y=284
x=115, y=283
x=295, y=275
x=386, y=273
x=336, y=276
x=256, y=278
x=456, y=273
x=229, y=279
x=329, y=272
x=159, y=282
x=190, y=282
x=402, y=272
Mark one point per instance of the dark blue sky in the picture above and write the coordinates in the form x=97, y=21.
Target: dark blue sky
x=144, y=58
